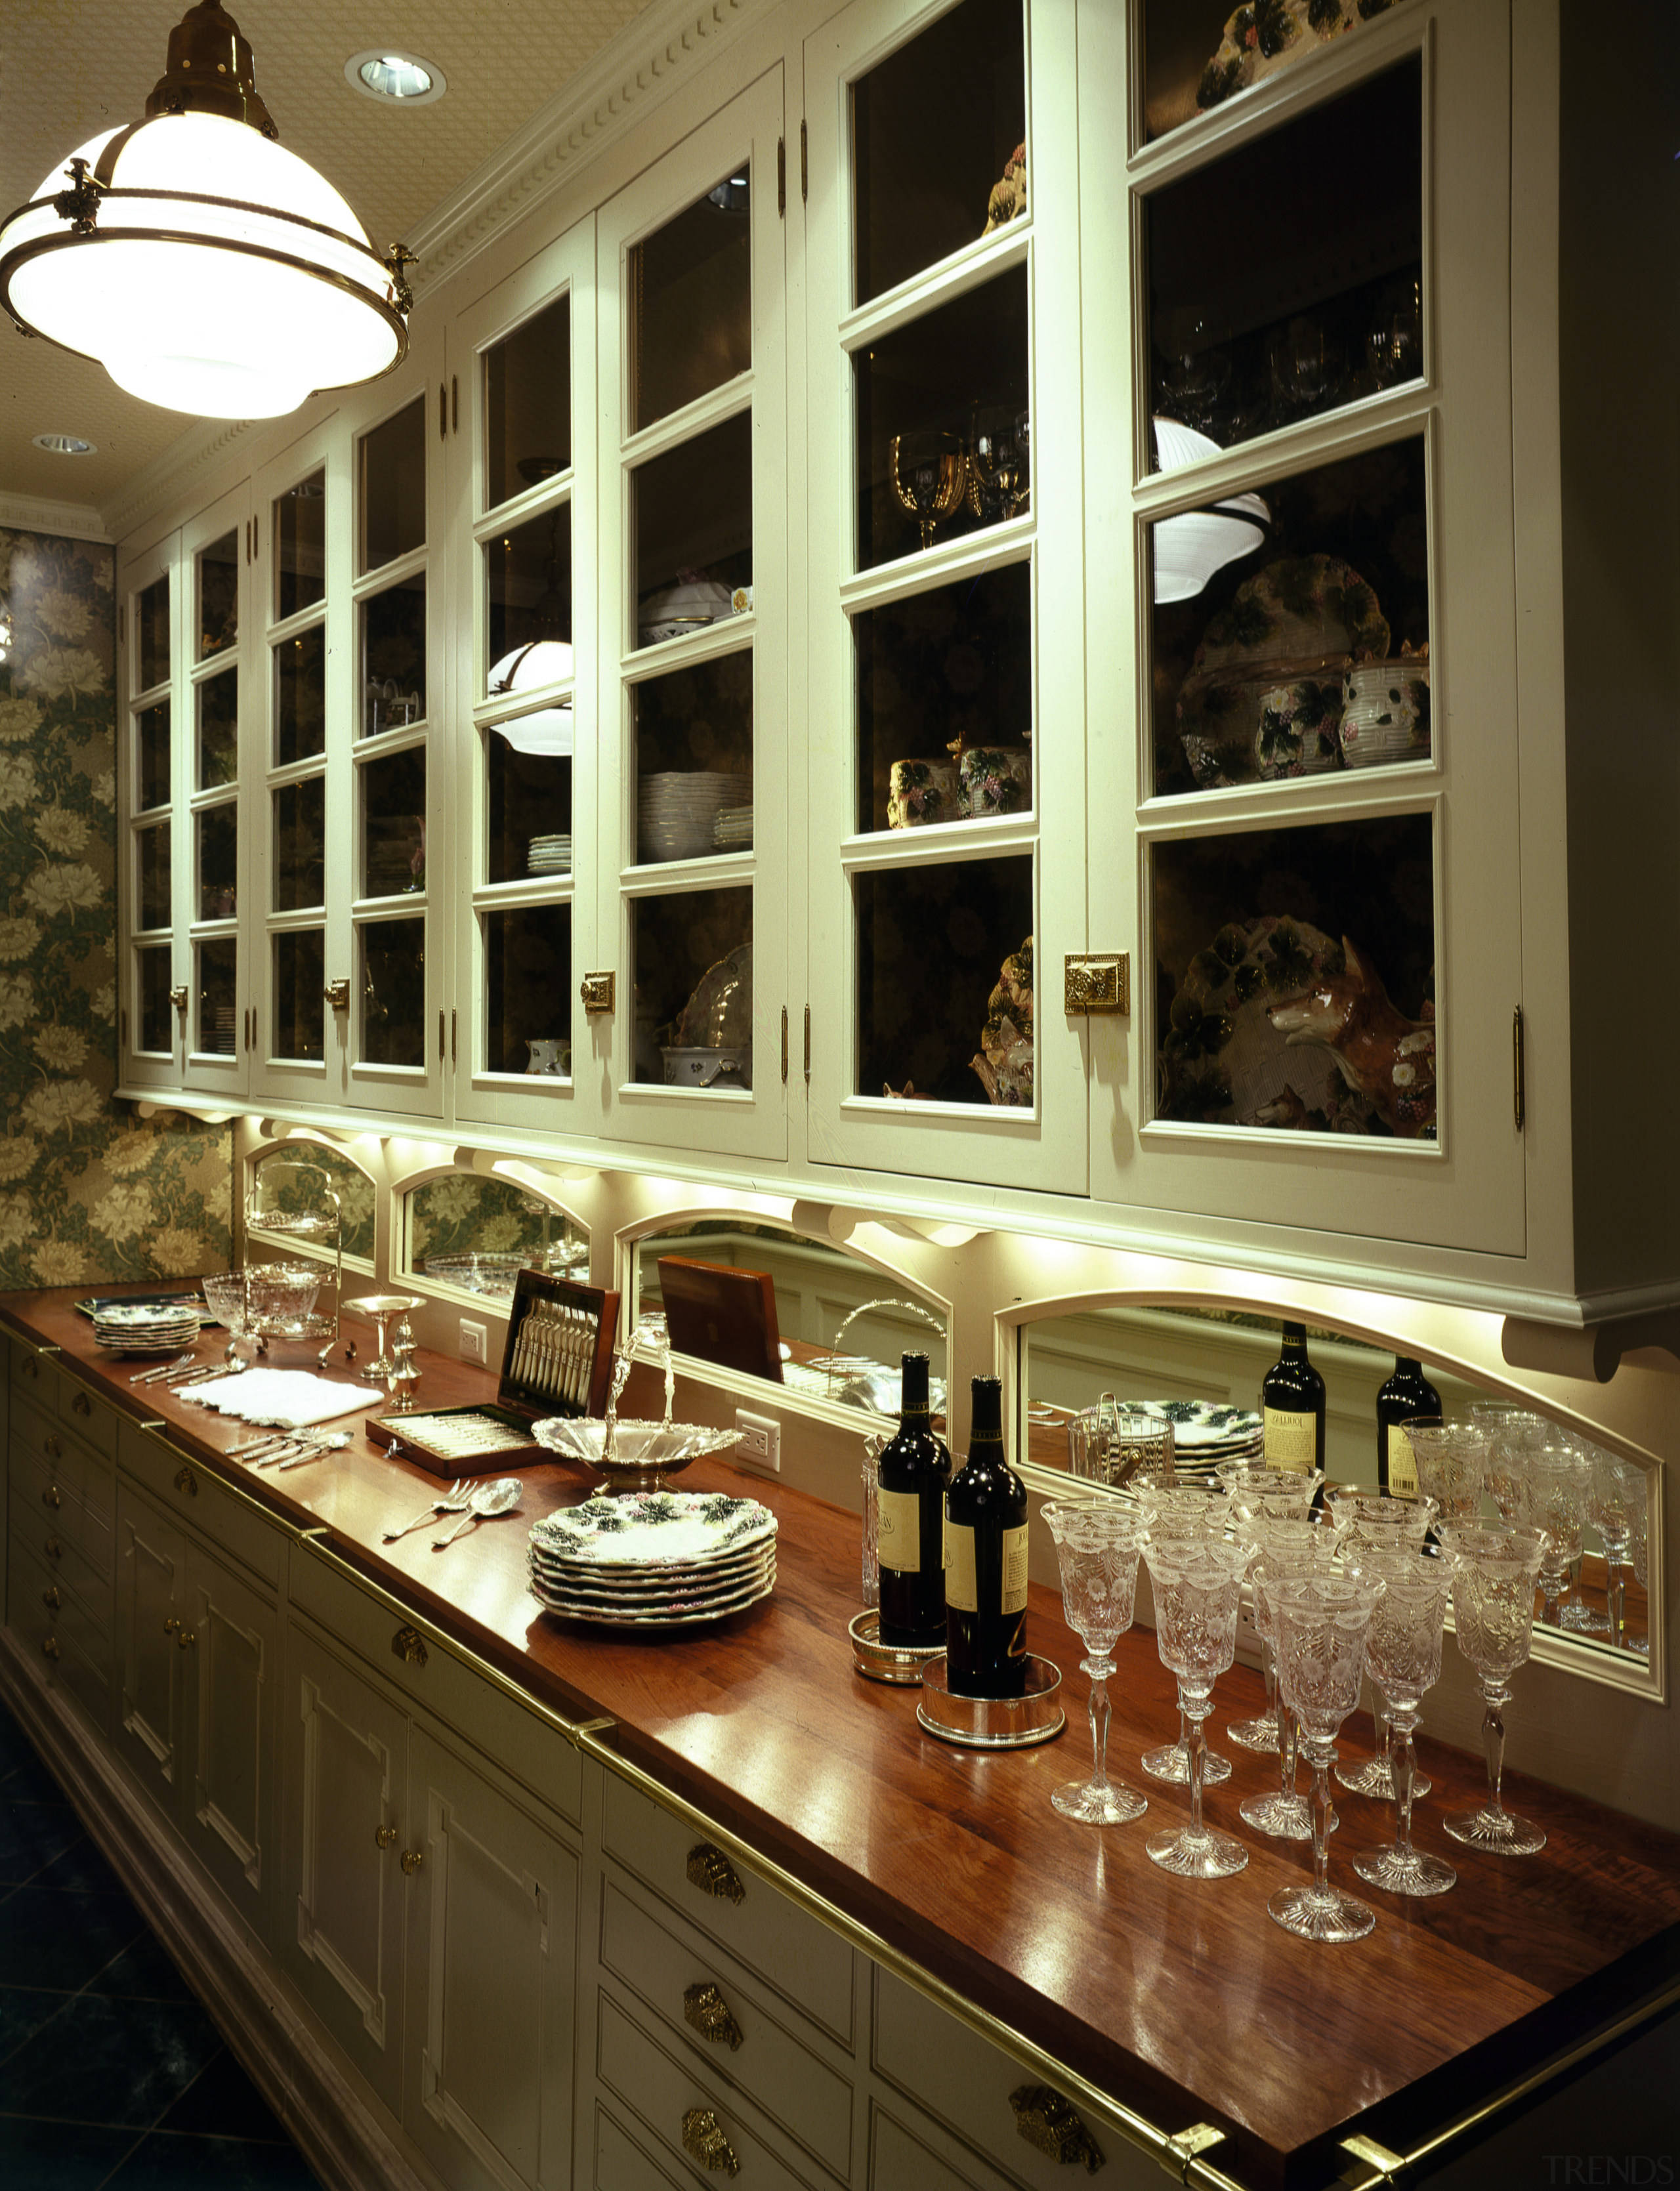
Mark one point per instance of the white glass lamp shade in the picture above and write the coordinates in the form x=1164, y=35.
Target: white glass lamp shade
x=1187, y=549
x=544, y=730
x=231, y=310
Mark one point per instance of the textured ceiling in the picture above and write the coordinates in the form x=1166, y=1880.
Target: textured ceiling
x=70, y=68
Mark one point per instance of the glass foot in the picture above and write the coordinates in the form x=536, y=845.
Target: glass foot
x=1584, y=1620
x=1374, y=1777
x=1115, y=1805
x=1327, y=1916
x=1400, y=1873
x=1499, y=1832
x=1261, y=1734
x=1172, y=1763
x=1285, y=1818
x=1204, y=1855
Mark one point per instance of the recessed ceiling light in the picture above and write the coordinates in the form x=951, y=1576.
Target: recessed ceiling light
x=65, y=445
x=384, y=73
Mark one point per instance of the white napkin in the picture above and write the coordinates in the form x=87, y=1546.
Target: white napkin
x=292, y=1399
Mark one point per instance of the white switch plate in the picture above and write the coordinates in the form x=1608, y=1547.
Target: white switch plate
x=761, y=1444
x=474, y=1341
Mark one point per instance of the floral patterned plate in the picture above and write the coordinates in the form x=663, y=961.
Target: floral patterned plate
x=654, y=1530
x=678, y=1615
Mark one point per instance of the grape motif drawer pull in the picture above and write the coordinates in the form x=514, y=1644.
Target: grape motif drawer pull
x=49, y=1644
x=52, y=1496
x=703, y=2140
x=1047, y=2121
x=52, y=1448
x=186, y=1480
x=51, y=1599
x=55, y=1550
x=410, y=1646
x=710, y=1871
x=81, y=1404
x=706, y=2011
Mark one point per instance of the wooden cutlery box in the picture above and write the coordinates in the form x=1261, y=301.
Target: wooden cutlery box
x=557, y=1361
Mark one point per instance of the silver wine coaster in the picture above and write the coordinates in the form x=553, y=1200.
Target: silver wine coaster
x=901, y=1663
x=993, y=1722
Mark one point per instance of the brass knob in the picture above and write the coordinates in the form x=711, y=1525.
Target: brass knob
x=598, y=992
x=703, y=2140
x=711, y=1871
x=170, y=1624
x=52, y=1448
x=383, y=1836
x=337, y=994
x=50, y=1646
x=1048, y=2122
x=55, y=1550
x=705, y=2009
x=32, y=1367
x=50, y=1597
x=411, y=1860
x=51, y=1496
x=81, y=1404
x=409, y=1645
x=186, y=1639
x=186, y=1480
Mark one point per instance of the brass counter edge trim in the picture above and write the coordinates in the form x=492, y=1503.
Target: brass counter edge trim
x=1160, y=2145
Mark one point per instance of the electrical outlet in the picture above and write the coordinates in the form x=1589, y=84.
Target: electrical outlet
x=761, y=1442
x=474, y=1341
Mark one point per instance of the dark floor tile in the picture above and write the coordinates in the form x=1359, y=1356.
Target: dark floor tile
x=24, y=1779
x=80, y=1869
x=110, y=2062
x=32, y=1834
x=14, y=1743
x=165, y=2163
x=222, y=2102
x=143, y=1972
x=23, y=2011
x=58, y=2156
x=60, y=1940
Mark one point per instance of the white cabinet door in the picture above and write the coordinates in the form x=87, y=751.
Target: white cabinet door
x=150, y=766
x=153, y=1612
x=228, y=1807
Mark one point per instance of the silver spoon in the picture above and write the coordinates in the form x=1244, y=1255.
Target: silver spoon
x=489, y=1500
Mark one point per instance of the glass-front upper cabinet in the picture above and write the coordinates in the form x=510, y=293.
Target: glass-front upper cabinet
x=151, y=985
x=694, y=832
x=215, y=588
x=946, y=686
x=522, y=499
x=1299, y=588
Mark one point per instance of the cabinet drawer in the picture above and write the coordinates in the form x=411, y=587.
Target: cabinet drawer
x=89, y=1418
x=65, y=1637
x=793, y=1953
x=44, y=1514
x=421, y=1662
x=191, y=1492
x=35, y=1376
x=621, y=2165
x=791, y=2085
x=63, y=1455
x=898, y=2159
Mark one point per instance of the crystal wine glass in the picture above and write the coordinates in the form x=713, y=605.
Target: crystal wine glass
x=996, y=467
x=1198, y=1586
x=1556, y=1487
x=1511, y=1429
x=227, y=1296
x=1288, y=1551
x=1451, y=1459
x=1322, y=1625
x=930, y=477
x=1639, y=1557
x=1177, y=1512
x=1494, y=1566
x=1403, y=1657
x=1367, y=1520
x=1619, y=1495
x=1259, y=1493
x=1096, y=1547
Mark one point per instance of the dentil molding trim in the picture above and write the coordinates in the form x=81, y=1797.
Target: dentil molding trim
x=33, y=513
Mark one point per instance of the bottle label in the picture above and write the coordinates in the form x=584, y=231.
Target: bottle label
x=1015, y=1570
x=898, y=1531
x=1402, y=1465
x=960, y=1588
x=1291, y=1439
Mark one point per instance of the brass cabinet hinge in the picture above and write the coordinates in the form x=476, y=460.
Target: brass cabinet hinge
x=784, y=1046
x=1096, y=982
x=440, y=1034
x=442, y=412
x=782, y=176
x=454, y=1036
x=454, y=404
x=256, y=538
x=597, y=991
x=803, y=164
x=1519, y=1093
x=807, y=1045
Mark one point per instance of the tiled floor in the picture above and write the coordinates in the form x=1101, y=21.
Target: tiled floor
x=111, y=2072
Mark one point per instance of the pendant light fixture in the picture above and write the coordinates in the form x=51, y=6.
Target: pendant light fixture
x=206, y=268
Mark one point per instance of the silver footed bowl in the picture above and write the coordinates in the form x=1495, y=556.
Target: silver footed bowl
x=632, y=1456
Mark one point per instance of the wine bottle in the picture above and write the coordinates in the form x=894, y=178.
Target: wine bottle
x=986, y=1561
x=1407, y=1396
x=1292, y=1395
x=913, y=1473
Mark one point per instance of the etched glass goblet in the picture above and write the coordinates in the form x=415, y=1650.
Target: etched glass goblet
x=1556, y=1487
x=1288, y=1551
x=1639, y=1557
x=930, y=477
x=1368, y=1520
x=1178, y=1513
x=1618, y=1487
x=1096, y=1547
x=1511, y=1431
x=1258, y=1493
x=1451, y=1459
x=1494, y=1566
x=1323, y=1622
x=1198, y=1587
x=1403, y=1657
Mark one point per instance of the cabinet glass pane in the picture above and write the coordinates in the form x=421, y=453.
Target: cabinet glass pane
x=299, y=977
x=944, y=981
x=938, y=132
x=1198, y=53
x=218, y=596
x=952, y=668
x=151, y=638
x=527, y=404
x=530, y=814
x=694, y=760
x=217, y=976
x=944, y=438
x=300, y=697
x=300, y=845
x=527, y=990
x=393, y=991
x=394, y=823
x=692, y=960
x=151, y=876
x=219, y=731
x=394, y=656
x=691, y=515
x=1308, y=652
x=217, y=833
x=300, y=523
x=391, y=497
x=1296, y=971
x=528, y=592
x=1256, y=324
x=691, y=302
x=154, y=1031
x=151, y=757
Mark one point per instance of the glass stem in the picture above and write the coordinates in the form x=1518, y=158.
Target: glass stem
x=1617, y=1582
x=1099, y=1732
x=1551, y=1585
x=1321, y=1827
x=1269, y=1667
x=1287, y=1737
x=1405, y=1769
x=1493, y=1742
x=1197, y=1749
x=1382, y=1729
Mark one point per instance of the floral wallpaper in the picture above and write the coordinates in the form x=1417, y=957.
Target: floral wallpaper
x=89, y=1193
x=456, y=1215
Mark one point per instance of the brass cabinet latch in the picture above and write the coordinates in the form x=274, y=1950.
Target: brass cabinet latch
x=703, y=2141
x=705, y=2010
x=409, y=1645
x=1050, y=2123
x=178, y=998
x=598, y=992
x=711, y=1871
x=1189, y=2146
x=1096, y=982
x=337, y=994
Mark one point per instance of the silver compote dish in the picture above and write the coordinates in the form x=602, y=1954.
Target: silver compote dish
x=633, y=1456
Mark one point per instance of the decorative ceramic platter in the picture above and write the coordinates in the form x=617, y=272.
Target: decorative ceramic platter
x=701, y=1606
x=1199, y=1427
x=653, y=1529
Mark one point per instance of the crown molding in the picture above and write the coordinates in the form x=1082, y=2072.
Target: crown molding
x=33, y=513
x=646, y=61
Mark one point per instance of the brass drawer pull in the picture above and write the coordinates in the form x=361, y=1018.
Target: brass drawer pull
x=703, y=2140
x=409, y=1645
x=52, y=1496
x=32, y=1367
x=80, y=1404
x=711, y=1871
x=50, y=1645
x=186, y=1480
x=55, y=1550
x=411, y=1860
x=50, y=1597
x=383, y=1836
x=1048, y=2122
x=706, y=2011
x=52, y=1448
x=170, y=1624
x=187, y=1638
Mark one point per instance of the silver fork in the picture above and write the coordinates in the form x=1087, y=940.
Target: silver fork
x=458, y=1497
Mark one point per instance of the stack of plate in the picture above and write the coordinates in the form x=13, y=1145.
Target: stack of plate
x=550, y=855
x=1202, y=1435
x=654, y=1560
x=145, y=1327
x=732, y=828
x=675, y=812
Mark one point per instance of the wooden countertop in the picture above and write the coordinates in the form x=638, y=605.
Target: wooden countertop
x=1181, y=1999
